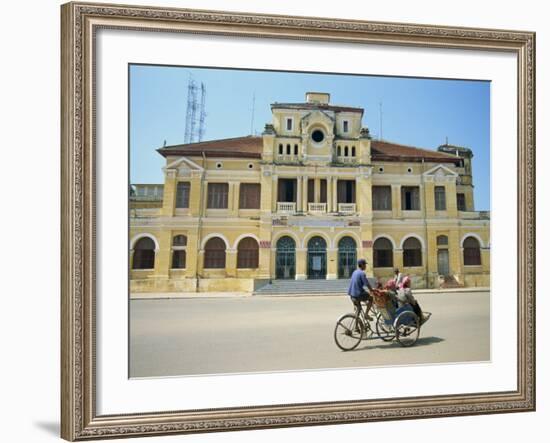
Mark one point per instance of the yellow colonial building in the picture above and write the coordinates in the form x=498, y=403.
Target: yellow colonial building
x=304, y=201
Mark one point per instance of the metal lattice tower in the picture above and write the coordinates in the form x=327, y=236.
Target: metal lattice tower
x=196, y=114
x=202, y=113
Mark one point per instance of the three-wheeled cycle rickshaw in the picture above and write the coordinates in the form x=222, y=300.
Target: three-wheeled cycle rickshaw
x=392, y=322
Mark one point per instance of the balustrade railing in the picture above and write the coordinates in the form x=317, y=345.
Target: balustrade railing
x=317, y=207
x=286, y=207
x=346, y=208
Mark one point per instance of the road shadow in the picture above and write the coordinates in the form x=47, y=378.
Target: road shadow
x=50, y=427
x=378, y=343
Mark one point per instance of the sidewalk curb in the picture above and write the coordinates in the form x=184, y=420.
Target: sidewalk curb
x=231, y=295
x=187, y=295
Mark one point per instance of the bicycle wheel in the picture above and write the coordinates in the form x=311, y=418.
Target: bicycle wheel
x=384, y=331
x=348, y=332
x=407, y=328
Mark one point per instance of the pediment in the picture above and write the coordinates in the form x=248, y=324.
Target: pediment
x=317, y=116
x=183, y=167
x=440, y=173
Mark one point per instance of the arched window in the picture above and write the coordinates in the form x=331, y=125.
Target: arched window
x=247, y=253
x=442, y=240
x=214, y=253
x=280, y=149
x=288, y=149
x=179, y=255
x=295, y=149
x=144, y=254
x=472, y=253
x=382, y=253
x=412, y=252
x=346, y=151
x=353, y=151
x=339, y=151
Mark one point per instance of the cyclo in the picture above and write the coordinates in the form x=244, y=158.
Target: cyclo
x=395, y=320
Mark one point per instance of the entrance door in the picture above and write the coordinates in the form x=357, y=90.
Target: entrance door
x=443, y=261
x=347, y=257
x=317, y=258
x=285, y=258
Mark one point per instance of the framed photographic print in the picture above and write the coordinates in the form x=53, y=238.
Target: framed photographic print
x=277, y=221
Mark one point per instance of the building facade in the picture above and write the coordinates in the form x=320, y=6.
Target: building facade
x=304, y=201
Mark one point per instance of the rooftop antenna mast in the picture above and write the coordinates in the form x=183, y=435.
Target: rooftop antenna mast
x=196, y=112
x=202, y=113
x=191, y=114
x=380, y=136
x=252, y=116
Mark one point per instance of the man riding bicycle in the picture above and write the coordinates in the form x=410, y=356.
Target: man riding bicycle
x=357, y=286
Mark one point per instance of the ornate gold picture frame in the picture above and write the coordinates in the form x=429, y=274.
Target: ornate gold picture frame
x=80, y=22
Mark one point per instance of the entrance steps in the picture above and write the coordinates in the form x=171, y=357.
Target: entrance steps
x=304, y=287
x=450, y=282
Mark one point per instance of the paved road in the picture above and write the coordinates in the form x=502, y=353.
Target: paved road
x=250, y=334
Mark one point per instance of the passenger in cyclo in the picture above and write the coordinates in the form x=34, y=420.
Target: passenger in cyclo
x=357, y=285
x=405, y=296
x=393, y=298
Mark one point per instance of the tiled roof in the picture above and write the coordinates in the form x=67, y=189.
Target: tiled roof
x=251, y=147
x=248, y=147
x=389, y=151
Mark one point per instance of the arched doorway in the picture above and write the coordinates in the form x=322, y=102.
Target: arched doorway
x=442, y=255
x=471, y=252
x=285, y=258
x=317, y=258
x=347, y=257
x=144, y=254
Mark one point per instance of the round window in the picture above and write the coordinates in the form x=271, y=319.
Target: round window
x=317, y=136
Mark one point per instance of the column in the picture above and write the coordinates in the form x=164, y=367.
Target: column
x=299, y=203
x=396, y=200
x=301, y=263
x=163, y=255
x=236, y=188
x=232, y=198
x=366, y=191
x=398, y=259
x=196, y=192
x=429, y=198
x=274, y=192
x=200, y=264
x=305, y=180
x=317, y=190
x=169, y=196
x=450, y=198
x=329, y=194
x=231, y=262
x=264, y=271
x=332, y=263
x=429, y=259
x=266, y=183
x=360, y=204
x=191, y=255
x=335, y=194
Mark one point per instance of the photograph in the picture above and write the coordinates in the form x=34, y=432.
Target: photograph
x=298, y=221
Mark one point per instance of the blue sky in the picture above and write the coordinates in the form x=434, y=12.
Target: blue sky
x=417, y=112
